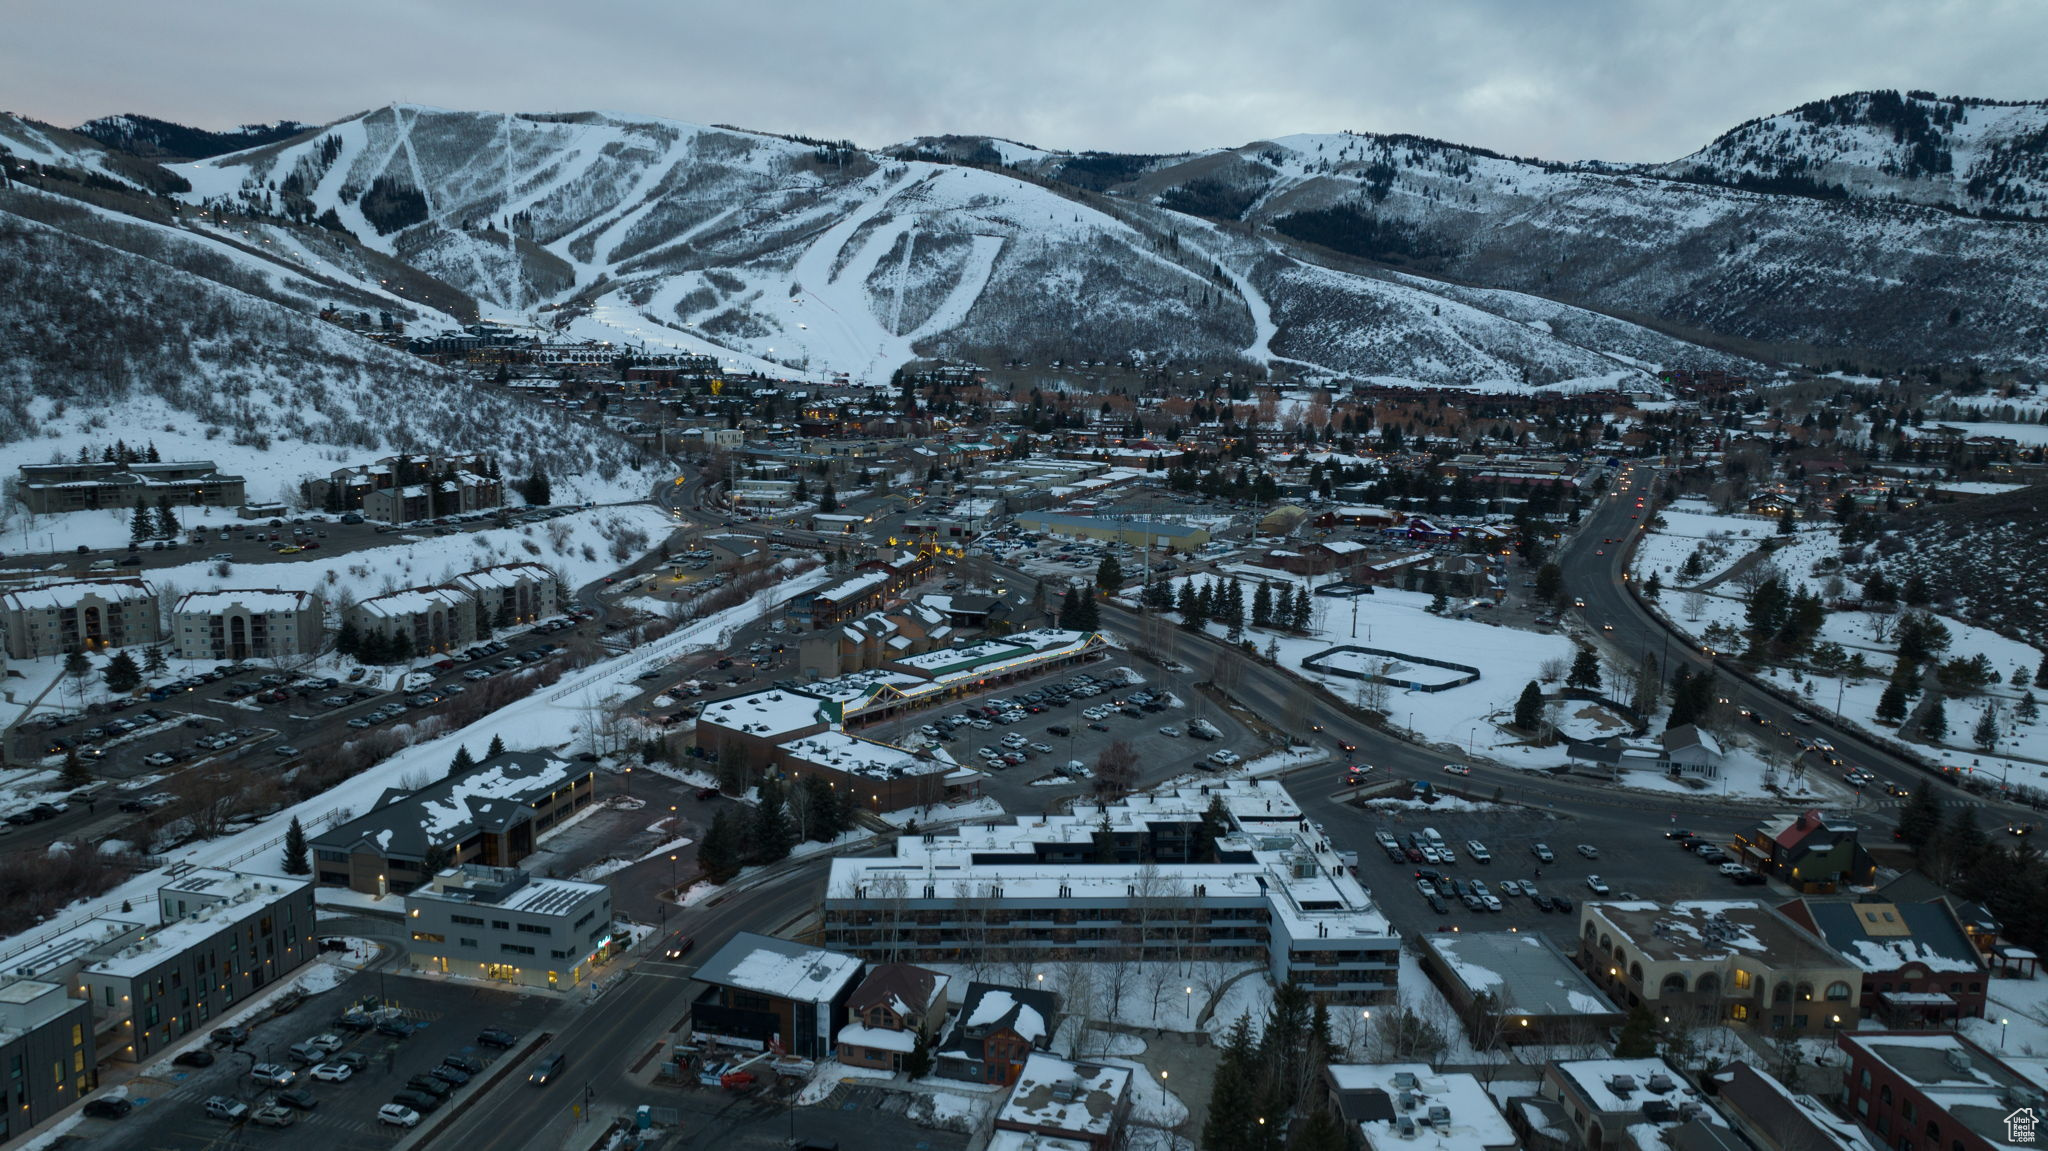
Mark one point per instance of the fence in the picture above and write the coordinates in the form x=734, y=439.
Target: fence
x=1314, y=663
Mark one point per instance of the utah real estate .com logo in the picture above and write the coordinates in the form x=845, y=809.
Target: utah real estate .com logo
x=2019, y=1126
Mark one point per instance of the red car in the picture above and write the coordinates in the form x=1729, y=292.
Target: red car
x=1413, y=855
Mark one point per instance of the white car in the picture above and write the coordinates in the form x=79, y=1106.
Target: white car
x=332, y=1072
x=1589, y=851
x=1425, y=887
x=1510, y=887
x=1492, y=902
x=398, y=1115
x=1599, y=887
x=1458, y=768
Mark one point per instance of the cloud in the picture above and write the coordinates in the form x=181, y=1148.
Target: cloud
x=1563, y=79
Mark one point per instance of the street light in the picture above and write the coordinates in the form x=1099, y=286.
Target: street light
x=2002, y=1022
x=1188, y=1002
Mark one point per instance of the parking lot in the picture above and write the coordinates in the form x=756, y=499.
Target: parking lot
x=1633, y=858
x=443, y=1018
x=1076, y=719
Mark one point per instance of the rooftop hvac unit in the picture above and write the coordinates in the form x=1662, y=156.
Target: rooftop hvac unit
x=1404, y=1080
x=1622, y=1085
x=1659, y=1084
x=1439, y=1117
x=1405, y=1125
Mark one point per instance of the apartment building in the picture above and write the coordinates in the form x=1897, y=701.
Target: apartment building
x=1228, y=872
x=430, y=619
x=74, y=487
x=251, y=624
x=82, y=615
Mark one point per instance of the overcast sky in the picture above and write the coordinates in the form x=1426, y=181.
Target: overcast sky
x=1628, y=80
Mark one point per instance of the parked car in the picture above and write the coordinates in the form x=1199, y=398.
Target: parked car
x=1542, y=852
x=1598, y=885
x=398, y=1115
x=197, y=1057
x=332, y=1072
x=223, y=1108
x=419, y=1101
x=298, y=1098
x=497, y=1037
x=469, y=1063
x=108, y=1108
x=273, y=1074
x=1589, y=851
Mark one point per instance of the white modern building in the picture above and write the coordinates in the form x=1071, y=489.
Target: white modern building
x=501, y=924
x=1145, y=879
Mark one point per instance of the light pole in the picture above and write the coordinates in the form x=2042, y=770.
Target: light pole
x=2002, y=1023
x=629, y=782
x=1188, y=1002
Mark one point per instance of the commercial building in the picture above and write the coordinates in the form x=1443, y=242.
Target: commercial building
x=46, y=1052
x=1936, y=1089
x=1814, y=852
x=403, y=489
x=764, y=993
x=426, y=619
x=1515, y=987
x=763, y=495
x=73, y=487
x=252, y=624
x=1919, y=965
x=1775, y=1118
x=224, y=936
x=512, y=594
x=1056, y=1098
x=1132, y=532
x=494, y=814
x=503, y=925
x=1090, y=886
x=1709, y=961
x=841, y=601
x=878, y=776
x=1412, y=1107
x=1624, y=1104
x=83, y=615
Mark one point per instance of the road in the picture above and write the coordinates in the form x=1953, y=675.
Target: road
x=603, y=1040
x=1598, y=579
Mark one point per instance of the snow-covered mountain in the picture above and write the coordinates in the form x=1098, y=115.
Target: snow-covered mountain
x=140, y=321
x=1341, y=255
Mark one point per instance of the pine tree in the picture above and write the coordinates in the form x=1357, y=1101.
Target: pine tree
x=1585, y=671
x=2028, y=710
x=166, y=520
x=1233, y=1095
x=1891, y=706
x=1299, y=617
x=1638, y=1038
x=1262, y=605
x=1985, y=734
x=141, y=524
x=1529, y=708
x=1109, y=576
x=463, y=762
x=77, y=773
x=121, y=674
x=1070, y=609
x=828, y=500
x=1920, y=818
x=720, y=852
x=297, y=858
x=497, y=747
x=2041, y=673
x=769, y=834
x=348, y=640
x=1934, y=725
x=153, y=661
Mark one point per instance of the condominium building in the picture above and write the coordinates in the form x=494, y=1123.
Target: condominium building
x=1228, y=871
x=431, y=619
x=83, y=615
x=238, y=625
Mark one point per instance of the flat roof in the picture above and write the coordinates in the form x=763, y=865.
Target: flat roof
x=1525, y=972
x=779, y=967
x=1971, y=1084
x=1475, y=1120
x=1692, y=930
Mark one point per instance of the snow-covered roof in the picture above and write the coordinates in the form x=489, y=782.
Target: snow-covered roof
x=226, y=899
x=779, y=968
x=866, y=757
x=1475, y=1121
x=1974, y=1086
x=1524, y=971
x=1621, y=1085
x=260, y=601
x=412, y=601
x=497, y=793
x=879, y=1038
x=767, y=714
x=503, y=576
x=58, y=596
x=1054, y=1093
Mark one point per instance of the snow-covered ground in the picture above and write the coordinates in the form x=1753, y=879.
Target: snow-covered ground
x=1710, y=616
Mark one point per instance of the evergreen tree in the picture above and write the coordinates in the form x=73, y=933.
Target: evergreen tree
x=166, y=520
x=297, y=858
x=462, y=763
x=1934, y=725
x=1529, y=708
x=141, y=525
x=1638, y=1039
x=537, y=490
x=828, y=810
x=1891, y=706
x=77, y=667
x=2028, y=710
x=1234, y=1100
x=1087, y=616
x=1298, y=618
x=1916, y=593
x=828, y=500
x=348, y=640
x=1438, y=603
x=1109, y=575
x=497, y=747
x=1920, y=818
x=121, y=674
x=1653, y=587
x=76, y=773
x=2041, y=673
x=769, y=833
x=1985, y=734
x=1262, y=605
x=153, y=661
x=721, y=852
x=1070, y=609
x=1585, y=671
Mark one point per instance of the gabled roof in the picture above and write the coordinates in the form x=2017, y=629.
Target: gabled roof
x=495, y=795
x=1881, y=936
x=1687, y=735
x=904, y=988
x=990, y=1009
